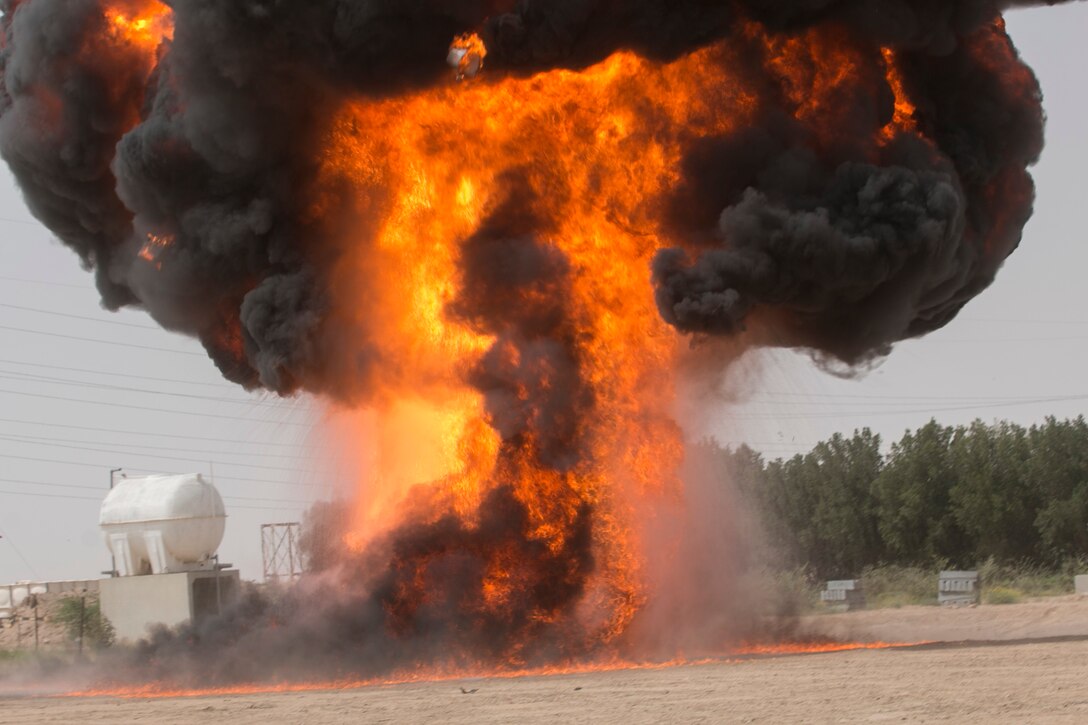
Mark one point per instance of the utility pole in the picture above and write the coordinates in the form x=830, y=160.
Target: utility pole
x=35, y=601
x=113, y=557
x=218, y=593
x=82, y=616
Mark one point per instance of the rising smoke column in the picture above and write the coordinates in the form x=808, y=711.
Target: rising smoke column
x=305, y=188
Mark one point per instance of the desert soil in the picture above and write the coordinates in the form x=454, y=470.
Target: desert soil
x=1014, y=663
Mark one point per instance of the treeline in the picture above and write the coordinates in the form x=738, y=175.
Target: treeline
x=950, y=496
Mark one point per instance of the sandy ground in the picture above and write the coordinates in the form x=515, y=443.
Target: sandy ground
x=1035, y=619
x=1032, y=668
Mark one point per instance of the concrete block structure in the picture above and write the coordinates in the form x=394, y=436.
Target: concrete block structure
x=1080, y=584
x=844, y=595
x=134, y=604
x=958, y=588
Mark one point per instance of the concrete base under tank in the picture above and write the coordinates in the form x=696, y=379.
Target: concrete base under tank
x=133, y=604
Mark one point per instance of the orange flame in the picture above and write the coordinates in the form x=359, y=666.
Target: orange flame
x=598, y=152
x=154, y=247
x=441, y=157
x=904, y=109
x=148, y=28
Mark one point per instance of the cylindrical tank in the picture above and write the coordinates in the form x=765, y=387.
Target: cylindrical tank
x=13, y=596
x=185, y=513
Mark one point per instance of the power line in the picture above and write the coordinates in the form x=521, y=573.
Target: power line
x=171, y=411
x=28, y=222
x=43, y=282
x=861, y=406
x=755, y=397
x=224, y=384
x=220, y=384
x=1023, y=321
x=99, y=498
x=1006, y=340
x=204, y=451
x=100, y=466
x=1015, y=403
x=879, y=400
x=103, y=342
x=913, y=398
x=171, y=436
x=69, y=315
x=128, y=389
x=161, y=457
x=241, y=479
x=51, y=485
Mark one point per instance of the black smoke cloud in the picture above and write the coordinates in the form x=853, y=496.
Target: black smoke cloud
x=845, y=247
x=850, y=260
x=213, y=149
x=574, y=33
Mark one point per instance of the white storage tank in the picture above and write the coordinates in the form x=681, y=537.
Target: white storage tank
x=163, y=524
x=13, y=596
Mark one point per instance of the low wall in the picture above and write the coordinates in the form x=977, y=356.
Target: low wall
x=12, y=596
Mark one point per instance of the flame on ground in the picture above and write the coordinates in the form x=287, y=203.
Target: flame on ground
x=736, y=656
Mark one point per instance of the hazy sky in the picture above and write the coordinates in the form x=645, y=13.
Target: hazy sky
x=83, y=391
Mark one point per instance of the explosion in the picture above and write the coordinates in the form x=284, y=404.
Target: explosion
x=516, y=258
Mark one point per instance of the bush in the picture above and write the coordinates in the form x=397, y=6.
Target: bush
x=78, y=614
x=898, y=586
x=1000, y=595
x=1028, y=579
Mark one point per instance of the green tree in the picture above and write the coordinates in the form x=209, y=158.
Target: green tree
x=992, y=498
x=785, y=505
x=958, y=495
x=913, y=499
x=843, y=471
x=820, y=507
x=1058, y=471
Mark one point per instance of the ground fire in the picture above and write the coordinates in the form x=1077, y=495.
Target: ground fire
x=517, y=258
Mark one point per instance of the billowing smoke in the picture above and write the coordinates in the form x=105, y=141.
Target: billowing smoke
x=851, y=247
x=213, y=143
x=305, y=188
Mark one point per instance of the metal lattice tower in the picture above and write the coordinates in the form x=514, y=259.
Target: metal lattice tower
x=280, y=552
